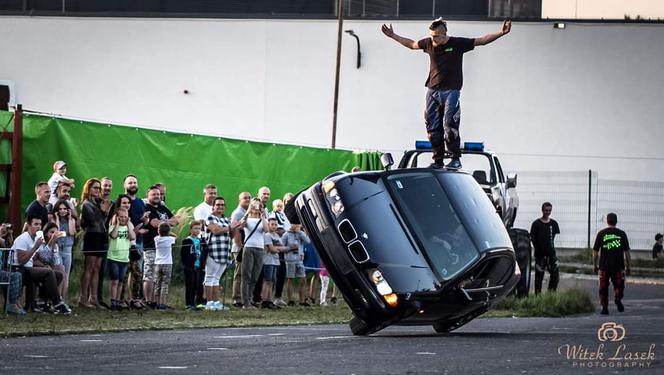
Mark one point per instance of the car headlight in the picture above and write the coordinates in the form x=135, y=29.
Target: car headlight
x=333, y=198
x=383, y=288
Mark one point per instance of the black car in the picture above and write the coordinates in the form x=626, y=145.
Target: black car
x=414, y=246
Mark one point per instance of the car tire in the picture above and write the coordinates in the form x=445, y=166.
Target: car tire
x=522, y=249
x=448, y=326
x=359, y=327
x=291, y=212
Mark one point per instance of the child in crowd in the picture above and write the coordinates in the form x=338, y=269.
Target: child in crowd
x=311, y=269
x=278, y=214
x=324, y=283
x=273, y=247
x=65, y=222
x=192, y=256
x=121, y=234
x=59, y=171
x=294, y=241
x=163, y=264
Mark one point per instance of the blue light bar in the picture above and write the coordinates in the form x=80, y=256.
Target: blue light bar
x=473, y=146
x=422, y=145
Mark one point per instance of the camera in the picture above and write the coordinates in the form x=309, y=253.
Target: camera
x=8, y=226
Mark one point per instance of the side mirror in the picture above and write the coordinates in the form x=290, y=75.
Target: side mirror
x=511, y=180
x=387, y=160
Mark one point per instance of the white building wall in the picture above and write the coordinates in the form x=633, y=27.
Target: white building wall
x=586, y=97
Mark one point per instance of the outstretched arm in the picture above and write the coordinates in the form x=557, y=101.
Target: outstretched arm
x=488, y=38
x=408, y=43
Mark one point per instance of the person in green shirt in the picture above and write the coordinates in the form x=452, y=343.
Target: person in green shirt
x=121, y=235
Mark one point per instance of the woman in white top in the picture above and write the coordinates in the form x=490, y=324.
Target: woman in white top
x=255, y=226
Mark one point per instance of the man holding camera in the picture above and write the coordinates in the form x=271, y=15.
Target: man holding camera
x=24, y=250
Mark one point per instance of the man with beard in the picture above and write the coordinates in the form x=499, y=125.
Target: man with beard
x=238, y=239
x=139, y=219
x=157, y=213
x=63, y=192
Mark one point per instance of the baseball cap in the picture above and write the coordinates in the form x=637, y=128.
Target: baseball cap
x=58, y=165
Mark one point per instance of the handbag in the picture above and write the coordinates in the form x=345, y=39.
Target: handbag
x=238, y=257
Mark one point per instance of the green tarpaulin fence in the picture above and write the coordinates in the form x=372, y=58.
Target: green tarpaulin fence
x=184, y=163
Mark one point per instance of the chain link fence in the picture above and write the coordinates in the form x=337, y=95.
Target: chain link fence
x=581, y=201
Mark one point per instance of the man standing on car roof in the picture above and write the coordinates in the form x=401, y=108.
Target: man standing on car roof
x=442, y=114
x=542, y=233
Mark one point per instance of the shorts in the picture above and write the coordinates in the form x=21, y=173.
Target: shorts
x=270, y=273
x=163, y=274
x=94, y=244
x=116, y=270
x=213, y=272
x=148, y=265
x=294, y=270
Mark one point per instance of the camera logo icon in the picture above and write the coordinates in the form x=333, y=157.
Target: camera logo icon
x=611, y=331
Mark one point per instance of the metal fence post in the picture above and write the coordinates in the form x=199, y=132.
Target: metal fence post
x=590, y=181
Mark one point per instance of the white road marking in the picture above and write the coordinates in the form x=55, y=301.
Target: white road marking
x=332, y=337
x=425, y=353
x=35, y=356
x=276, y=334
x=217, y=348
x=95, y=340
x=237, y=337
x=174, y=367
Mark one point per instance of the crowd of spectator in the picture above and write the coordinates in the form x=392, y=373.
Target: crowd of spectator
x=129, y=241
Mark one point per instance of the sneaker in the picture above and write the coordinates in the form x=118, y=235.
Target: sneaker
x=160, y=307
x=249, y=307
x=201, y=306
x=61, y=309
x=454, y=164
x=102, y=304
x=152, y=305
x=305, y=304
x=16, y=310
x=279, y=302
x=219, y=306
x=238, y=304
x=291, y=303
x=209, y=305
x=620, y=306
x=605, y=310
x=333, y=300
x=323, y=303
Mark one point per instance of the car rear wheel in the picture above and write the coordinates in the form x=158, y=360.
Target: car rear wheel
x=521, y=243
x=359, y=327
x=450, y=326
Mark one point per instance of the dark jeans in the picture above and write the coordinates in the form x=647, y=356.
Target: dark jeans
x=617, y=279
x=49, y=280
x=193, y=284
x=442, y=117
x=546, y=263
x=281, y=279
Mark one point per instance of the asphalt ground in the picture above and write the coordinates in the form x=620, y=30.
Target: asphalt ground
x=484, y=346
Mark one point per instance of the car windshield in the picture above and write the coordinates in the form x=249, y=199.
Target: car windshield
x=434, y=221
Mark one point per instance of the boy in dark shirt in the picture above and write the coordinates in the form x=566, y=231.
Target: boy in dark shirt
x=612, y=249
x=542, y=233
x=443, y=112
x=657, y=248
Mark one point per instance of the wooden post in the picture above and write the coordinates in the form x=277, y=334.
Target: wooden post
x=15, y=176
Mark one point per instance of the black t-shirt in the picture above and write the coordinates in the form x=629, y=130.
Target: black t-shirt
x=35, y=208
x=160, y=212
x=657, y=249
x=446, y=62
x=611, y=243
x=542, y=236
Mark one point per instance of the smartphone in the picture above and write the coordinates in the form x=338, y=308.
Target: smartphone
x=39, y=234
x=62, y=234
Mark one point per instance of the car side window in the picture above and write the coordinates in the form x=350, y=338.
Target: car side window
x=499, y=169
